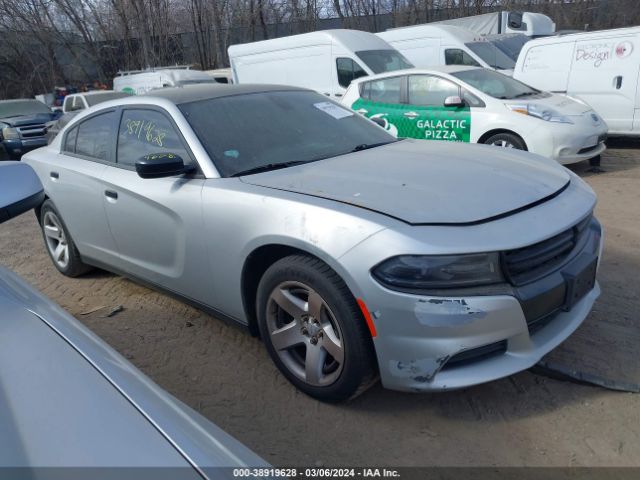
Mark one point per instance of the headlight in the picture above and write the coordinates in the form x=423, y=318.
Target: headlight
x=539, y=111
x=417, y=272
x=10, y=133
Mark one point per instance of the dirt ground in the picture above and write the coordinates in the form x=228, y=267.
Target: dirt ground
x=226, y=375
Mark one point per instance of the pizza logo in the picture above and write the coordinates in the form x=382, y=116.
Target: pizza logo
x=624, y=49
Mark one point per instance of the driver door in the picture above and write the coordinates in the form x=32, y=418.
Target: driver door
x=156, y=222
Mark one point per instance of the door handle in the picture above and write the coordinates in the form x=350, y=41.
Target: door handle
x=338, y=94
x=327, y=94
x=617, y=82
x=54, y=175
x=111, y=194
x=411, y=114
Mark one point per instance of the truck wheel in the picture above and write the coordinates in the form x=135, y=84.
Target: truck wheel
x=62, y=250
x=313, y=329
x=506, y=140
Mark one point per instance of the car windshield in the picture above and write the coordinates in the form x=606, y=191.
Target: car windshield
x=104, y=97
x=22, y=107
x=495, y=84
x=380, y=61
x=268, y=130
x=509, y=44
x=492, y=56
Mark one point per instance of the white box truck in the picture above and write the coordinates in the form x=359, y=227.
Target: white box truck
x=430, y=45
x=137, y=82
x=600, y=68
x=326, y=61
x=528, y=23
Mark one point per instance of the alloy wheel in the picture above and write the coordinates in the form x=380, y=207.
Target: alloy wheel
x=55, y=239
x=304, y=332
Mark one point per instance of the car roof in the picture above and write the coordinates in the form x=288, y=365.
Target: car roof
x=195, y=93
x=93, y=92
x=447, y=69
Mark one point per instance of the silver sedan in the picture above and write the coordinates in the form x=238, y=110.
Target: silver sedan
x=353, y=255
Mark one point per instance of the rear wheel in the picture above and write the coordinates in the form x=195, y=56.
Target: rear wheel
x=62, y=250
x=506, y=140
x=313, y=329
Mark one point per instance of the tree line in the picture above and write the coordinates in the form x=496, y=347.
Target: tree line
x=47, y=43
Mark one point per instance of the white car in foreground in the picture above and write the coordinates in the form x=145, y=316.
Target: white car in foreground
x=470, y=104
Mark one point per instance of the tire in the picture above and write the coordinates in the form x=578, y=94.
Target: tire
x=506, y=140
x=59, y=244
x=338, y=343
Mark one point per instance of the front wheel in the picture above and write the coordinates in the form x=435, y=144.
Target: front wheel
x=506, y=140
x=313, y=329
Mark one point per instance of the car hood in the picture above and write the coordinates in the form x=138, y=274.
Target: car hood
x=561, y=103
x=24, y=120
x=422, y=182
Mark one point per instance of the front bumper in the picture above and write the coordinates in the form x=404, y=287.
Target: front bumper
x=16, y=148
x=432, y=343
x=567, y=143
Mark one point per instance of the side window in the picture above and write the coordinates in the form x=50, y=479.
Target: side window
x=384, y=91
x=455, y=56
x=348, y=70
x=143, y=132
x=70, y=141
x=430, y=91
x=68, y=104
x=471, y=99
x=95, y=136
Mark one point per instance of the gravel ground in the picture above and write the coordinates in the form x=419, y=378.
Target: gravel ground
x=226, y=374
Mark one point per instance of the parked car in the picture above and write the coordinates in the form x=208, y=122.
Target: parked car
x=469, y=104
x=601, y=68
x=325, y=61
x=69, y=400
x=23, y=126
x=76, y=102
x=137, y=82
x=353, y=254
x=430, y=45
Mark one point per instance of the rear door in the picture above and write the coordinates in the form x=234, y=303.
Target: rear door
x=382, y=100
x=428, y=117
x=604, y=74
x=75, y=185
x=156, y=223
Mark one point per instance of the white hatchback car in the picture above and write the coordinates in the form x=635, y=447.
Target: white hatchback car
x=470, y=104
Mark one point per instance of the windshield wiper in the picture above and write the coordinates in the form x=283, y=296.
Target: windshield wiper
x=366, y=146
x=266, y=168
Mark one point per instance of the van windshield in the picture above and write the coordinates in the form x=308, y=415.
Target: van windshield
x=245, y=134
x=380, y=61
x=510, y=44
x=496, y=84
x=492, y=56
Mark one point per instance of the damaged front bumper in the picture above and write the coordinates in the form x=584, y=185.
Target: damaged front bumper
x=437, y=342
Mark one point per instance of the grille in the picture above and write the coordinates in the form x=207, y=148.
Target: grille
x=32, y=131
x=527, y=264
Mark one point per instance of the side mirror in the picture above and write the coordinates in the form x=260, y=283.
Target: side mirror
x=20, y=189
x=454, y=101
x=158, y=165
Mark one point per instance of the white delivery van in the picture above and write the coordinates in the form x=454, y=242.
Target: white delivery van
x=528, y=23
x=326, y=61
x=431, y=45
x=137, y=82
x=600, y=68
